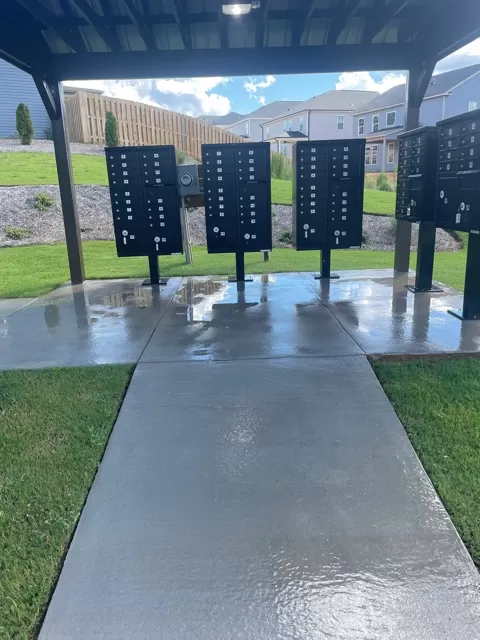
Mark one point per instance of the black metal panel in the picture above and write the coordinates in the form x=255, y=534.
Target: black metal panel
x=237, y=197
x=458, y=187
x=419, y=153
x=145, y=200
x=328, y=183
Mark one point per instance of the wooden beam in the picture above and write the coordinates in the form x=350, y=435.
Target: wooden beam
x=71, y=37
x=219, y=62
x=341, y=19
x=381, y=16
x=107, y=34
x=180, y=13
x=139, y=20
x=262, y=16
x=299, y=24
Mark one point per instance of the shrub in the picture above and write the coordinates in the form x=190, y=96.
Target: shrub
x=181, y=156
x=280, y=167
x=286, y=237
x=24, y=124
x=382, y=183
x=370, y=181
x=17, y=233
x=42, y=201
x=111, y=130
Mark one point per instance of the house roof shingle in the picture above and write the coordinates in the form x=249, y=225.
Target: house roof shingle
x=440, y=84
x=334, y=100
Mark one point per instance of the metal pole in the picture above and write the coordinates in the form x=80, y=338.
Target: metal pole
x=240, y=266
x=425, y=257
x=325, y=266
x=418, y=81
x=66, y=185
x=154, y=269
x=185, y=232
x=471, y=294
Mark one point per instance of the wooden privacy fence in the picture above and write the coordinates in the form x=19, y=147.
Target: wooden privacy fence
x=140, y=124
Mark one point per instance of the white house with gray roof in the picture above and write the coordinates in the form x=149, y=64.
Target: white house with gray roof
x=325, y=117
x=381, y=120
x=250, y=125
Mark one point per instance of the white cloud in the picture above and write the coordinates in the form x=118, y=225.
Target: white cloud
x=464, y=57
x=262, y=100
x=364, y=81
x=252, y=85
x=192, y=96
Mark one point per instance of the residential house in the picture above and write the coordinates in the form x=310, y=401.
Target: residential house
x=223, y=121
x=250, y=126
x=18, y=86
x=381, y=120
x=328, y=116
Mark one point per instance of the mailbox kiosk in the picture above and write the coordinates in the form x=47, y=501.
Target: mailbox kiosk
x=416, y=187
x=145, y=202
x=328, y=185
x=458, y=196
x=237, y=194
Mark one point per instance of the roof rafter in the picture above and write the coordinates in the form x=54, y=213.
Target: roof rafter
x=341, y=18
x=383, y=16
x=261, y=16
x=139, y=20
x=107, y=34
x=71, y=37
x=180, y=13
x=301, y=21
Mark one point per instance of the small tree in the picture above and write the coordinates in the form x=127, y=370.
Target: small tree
x=111, y=130
x=383, y=183
x=24, y=124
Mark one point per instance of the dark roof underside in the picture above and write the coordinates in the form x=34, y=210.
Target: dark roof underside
x=87, y=39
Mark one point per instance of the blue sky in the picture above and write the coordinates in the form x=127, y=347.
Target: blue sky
x=196, y=96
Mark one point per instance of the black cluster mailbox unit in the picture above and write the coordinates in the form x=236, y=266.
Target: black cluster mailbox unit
x=416, y=188
x=145, y=202
x=328, y=185
x=458, y=196
x=237, y=194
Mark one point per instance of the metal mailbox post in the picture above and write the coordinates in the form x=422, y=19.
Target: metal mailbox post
x=145, y=203
x=238, y=204
x=416, y=188
x=328, y=185
x=458, y=196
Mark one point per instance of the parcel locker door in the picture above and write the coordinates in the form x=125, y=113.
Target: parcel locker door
x=255, y=217
x=311, y=215
x=128, y=221
x=163, y=229
x=345, y=216
x=221, y=218
x=447, y=204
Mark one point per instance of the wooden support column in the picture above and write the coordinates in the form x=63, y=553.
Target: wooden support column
x=53, y=99
x=418, y=81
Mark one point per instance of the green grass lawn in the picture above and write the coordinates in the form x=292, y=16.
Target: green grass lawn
x=39, y=168
x=53, y=430
x=439, y=404
x=34, y=270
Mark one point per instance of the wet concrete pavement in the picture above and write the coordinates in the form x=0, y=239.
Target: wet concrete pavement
x=257, y=483
x=263, y=499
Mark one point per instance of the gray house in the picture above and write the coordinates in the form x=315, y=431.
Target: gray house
x=250, y=125
x=223, y=121
x=381, y=120
x=325, y=117
x=18, y=86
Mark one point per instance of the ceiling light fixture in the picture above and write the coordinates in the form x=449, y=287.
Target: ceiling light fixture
x=237, y=9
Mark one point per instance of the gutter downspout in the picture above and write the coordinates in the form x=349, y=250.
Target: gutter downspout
x=444, y=104
x=308, y=123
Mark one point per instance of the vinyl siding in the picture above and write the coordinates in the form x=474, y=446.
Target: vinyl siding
x=253, y=131
x=17, y=86
x=457, y=102
x=323, y=125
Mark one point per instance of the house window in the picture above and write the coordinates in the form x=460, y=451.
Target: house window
x=472, y=106
x=371, y=154
x=287, y=125
x=390, y=153
x=300, y=126
x=391, y=118
x=339, y=123
x=375, y=122
x=361, y=126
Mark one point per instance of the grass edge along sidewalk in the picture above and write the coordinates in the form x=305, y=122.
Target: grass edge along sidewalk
x=54, y=427
x=438, y=402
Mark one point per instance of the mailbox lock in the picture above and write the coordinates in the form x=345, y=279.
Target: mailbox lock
x=186, y=179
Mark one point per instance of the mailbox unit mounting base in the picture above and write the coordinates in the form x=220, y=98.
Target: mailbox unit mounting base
x=331, y=276
x=148, y=282
x=458, y=313
x=235, y=279
x=414, y=289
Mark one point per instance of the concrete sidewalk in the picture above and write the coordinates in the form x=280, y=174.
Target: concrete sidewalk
x=263, y=498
